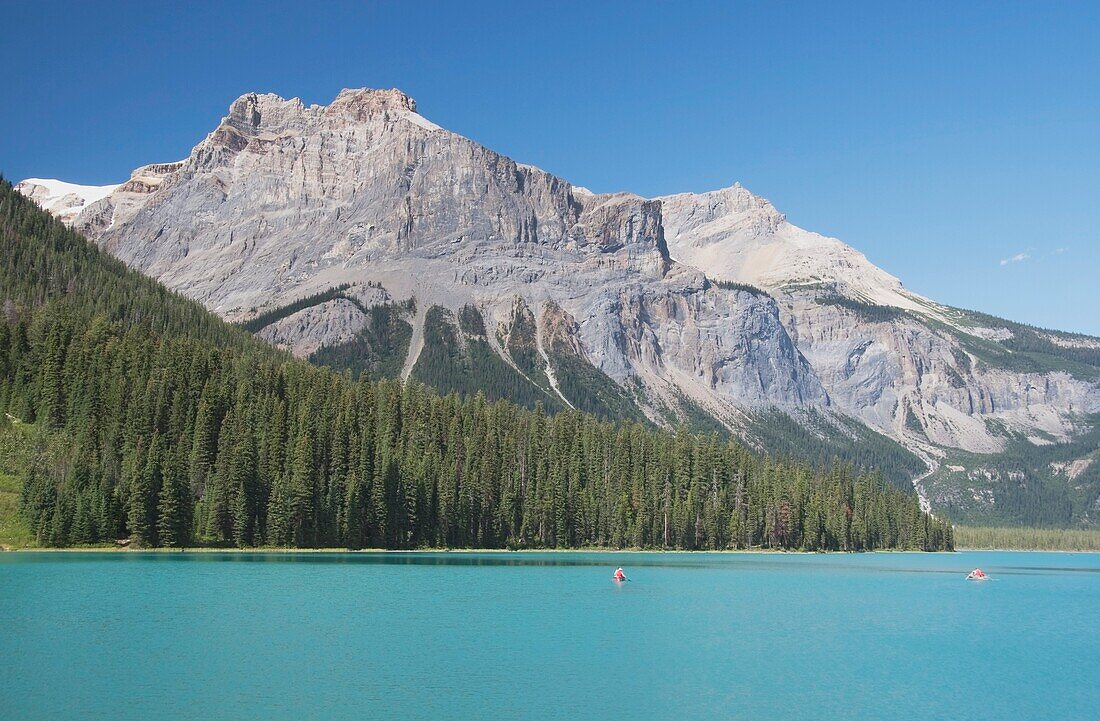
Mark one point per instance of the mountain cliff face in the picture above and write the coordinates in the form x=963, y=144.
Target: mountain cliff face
x=362, y=235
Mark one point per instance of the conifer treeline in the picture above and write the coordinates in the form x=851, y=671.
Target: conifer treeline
x=174, y=434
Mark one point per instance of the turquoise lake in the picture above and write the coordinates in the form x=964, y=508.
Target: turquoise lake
x=548, y=636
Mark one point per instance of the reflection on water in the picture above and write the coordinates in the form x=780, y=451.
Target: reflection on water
x=933, y=563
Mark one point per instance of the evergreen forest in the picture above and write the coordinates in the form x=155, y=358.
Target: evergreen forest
x=130, y=412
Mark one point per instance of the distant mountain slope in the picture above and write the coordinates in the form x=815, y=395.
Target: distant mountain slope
x=704, y=308
x=736, y=235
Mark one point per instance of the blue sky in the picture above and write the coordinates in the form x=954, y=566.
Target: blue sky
x=956, y=144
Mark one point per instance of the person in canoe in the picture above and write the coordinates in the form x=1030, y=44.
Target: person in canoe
x=976, y=575
x=619, y=575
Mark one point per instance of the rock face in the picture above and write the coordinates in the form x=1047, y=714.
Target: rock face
x=890, y=369
x=283, y=201
x=327, y=324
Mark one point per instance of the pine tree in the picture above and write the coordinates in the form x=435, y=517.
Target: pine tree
x=173, y=524
x=144, y=490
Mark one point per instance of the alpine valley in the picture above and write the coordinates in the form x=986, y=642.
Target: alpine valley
x=362, y=236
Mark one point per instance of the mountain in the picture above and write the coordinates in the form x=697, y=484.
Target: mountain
x=361, y=235
x=131, y=414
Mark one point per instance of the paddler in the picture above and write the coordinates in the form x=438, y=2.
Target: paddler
x=619, y=575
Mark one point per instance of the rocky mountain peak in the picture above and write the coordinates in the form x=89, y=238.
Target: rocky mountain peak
x=363, y=101
x=733, y=208
x=268, y=114
x=252, y=110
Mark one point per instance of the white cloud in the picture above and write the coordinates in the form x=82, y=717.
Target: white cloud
x=1018, y=258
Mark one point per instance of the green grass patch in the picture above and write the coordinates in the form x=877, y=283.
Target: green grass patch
x=15, y=450
x=13, y=530
x=1026, y=539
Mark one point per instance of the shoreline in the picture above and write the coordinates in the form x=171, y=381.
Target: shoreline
x=407, y=551
x=506, y=551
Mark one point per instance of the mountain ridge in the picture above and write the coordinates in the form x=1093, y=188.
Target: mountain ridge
x=283, y=201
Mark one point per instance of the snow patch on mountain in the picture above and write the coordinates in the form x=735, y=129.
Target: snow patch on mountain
x=419, y=120
x=63, y=200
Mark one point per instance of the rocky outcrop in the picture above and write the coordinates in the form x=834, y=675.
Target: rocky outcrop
x=327, y=324
x=909, y=380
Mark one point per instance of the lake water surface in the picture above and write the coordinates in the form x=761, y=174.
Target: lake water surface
x=548, y=636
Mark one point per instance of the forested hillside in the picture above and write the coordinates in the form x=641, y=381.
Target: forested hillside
x=142, y=416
